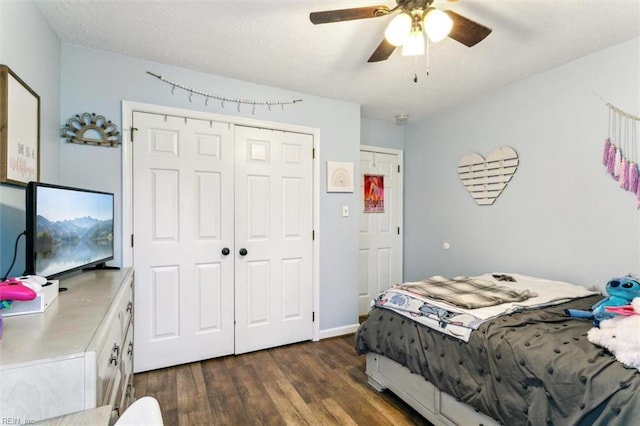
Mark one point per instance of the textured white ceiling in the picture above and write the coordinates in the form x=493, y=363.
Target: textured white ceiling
x=274, y=43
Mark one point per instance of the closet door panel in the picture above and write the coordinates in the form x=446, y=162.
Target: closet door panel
x=183, y=220
x=274, y=225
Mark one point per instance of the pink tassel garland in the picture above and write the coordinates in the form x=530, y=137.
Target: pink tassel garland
x=617, y=163
x=624, y=174
x=638, y=196
x=611, y=159
x=633, y=177
x=605, y=155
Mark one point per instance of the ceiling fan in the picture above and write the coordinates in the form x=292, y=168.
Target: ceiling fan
x=406, y=28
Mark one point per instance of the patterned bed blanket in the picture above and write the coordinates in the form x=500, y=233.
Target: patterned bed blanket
x=418, y=301
x=465, y=292
x=532, y=367
x=456, y=306
x=451, y=323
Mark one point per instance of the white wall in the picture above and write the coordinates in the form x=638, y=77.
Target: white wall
x=96, y=81
x=561, y=216
x=32, y=50
x=383, y=134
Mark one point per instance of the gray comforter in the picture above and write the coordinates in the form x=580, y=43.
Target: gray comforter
x=530, y=368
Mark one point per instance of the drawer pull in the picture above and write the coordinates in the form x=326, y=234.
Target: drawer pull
x=115, y=354
x=130, y=306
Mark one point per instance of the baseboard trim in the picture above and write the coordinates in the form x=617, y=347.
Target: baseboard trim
x=338, y=331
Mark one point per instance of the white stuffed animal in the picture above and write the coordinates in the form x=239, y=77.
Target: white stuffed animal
x=621, y=336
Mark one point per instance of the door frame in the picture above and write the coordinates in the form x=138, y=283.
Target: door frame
x=400, y=154
x=129, y=107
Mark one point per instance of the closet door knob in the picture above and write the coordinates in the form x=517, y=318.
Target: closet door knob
x=225, y=251
x=243, y=252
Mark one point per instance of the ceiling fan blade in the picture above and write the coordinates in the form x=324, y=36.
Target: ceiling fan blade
x=466, y=31
x=382, y=52
x=329, y=16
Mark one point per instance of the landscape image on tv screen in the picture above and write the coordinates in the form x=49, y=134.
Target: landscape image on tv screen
x=73, y=229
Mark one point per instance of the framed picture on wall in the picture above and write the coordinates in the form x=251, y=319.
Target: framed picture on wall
x=339, y=176
x=373, y=193
x=19, y=130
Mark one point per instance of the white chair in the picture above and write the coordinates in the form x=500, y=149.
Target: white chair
x=144, y=411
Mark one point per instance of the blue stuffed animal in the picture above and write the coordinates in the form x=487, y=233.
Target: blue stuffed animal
x=621, y=292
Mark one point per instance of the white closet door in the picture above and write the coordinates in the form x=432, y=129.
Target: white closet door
x=380, y=233
x=274, y=226
x=183, y=220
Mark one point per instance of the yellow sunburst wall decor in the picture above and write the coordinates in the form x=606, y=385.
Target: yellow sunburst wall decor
x=91, y=129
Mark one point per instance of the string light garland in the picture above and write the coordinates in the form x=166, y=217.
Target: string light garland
x=223, y=99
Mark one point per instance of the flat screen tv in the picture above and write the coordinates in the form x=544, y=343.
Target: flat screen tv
x=68, y=229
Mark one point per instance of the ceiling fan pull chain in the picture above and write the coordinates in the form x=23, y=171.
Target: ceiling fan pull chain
x=427, y=43
x=415, y=62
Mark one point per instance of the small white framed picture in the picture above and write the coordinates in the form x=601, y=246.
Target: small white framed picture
x=339, y=176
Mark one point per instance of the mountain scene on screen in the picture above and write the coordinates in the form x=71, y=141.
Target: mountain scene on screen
x=82, y=229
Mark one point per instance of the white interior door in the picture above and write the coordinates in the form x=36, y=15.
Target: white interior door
x=381, y=232
x=223, y=221
x=182, y=220
x=273, y=236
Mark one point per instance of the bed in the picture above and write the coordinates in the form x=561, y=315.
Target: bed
x=528, y=366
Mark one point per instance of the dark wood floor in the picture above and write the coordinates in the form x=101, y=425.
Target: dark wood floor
x=314, y=383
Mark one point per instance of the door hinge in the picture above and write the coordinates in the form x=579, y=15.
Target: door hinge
x=313, y=153
x=313, y=235
x=398, y=168
x=132, y=130
x=398, y=230
x=313, y=316
x=131, y=240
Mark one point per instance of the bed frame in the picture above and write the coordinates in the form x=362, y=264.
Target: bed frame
x=438, y=407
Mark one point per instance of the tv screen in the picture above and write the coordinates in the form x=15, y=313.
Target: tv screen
x=68, y=229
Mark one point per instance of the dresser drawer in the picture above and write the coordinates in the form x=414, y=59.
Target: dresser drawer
x=127, y=354
x=114, y=390
x=108, y=363
x=126, y=310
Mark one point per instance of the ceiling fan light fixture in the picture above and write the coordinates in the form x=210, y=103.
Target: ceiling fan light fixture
x=414, y=45
x=398, y=29
x=437, y=25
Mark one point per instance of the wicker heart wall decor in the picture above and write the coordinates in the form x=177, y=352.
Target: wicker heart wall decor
x=485, y=179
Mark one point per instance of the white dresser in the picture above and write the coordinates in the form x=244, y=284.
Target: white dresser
x=75, y=356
